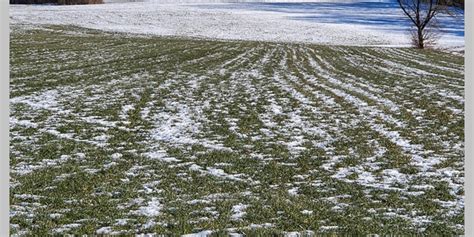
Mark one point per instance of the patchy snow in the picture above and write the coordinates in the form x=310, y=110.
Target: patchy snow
x=24, y=123
x=66, y=227
x=116, y=156
x=238, y=211
x=326, y=228
x=40, y=100
x=220, y=173
x=203, y=233
x=306, y=212
x=152, y=209
x=104, y=230
x=161, y=155
x=55, y=215
x=122, y=222
x=293, y=191
x=125, y=110
x=337, y=22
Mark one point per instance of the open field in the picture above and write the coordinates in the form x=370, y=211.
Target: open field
x=112, y=133
x=337, y=22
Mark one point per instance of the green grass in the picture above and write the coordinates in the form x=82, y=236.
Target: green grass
x=104, y=125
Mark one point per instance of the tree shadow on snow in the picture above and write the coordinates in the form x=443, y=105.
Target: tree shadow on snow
x=383, y=15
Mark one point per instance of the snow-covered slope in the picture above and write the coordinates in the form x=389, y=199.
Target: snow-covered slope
x=339, y=23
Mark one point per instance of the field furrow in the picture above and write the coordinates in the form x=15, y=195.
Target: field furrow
x=113, y=133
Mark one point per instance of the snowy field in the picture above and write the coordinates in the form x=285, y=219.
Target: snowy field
x=113, y=133
x=322, y=22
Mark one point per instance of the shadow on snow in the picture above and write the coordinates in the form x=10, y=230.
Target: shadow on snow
x=382, y=15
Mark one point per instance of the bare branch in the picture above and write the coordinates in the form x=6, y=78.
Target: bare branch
x=423, y=13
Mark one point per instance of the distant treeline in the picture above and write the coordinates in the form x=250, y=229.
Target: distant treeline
x=457, y=3
x=60, y=2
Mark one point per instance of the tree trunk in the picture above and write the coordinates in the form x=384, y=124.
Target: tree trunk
x=421, y=39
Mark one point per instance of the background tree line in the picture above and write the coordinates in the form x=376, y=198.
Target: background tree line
x=61, y=2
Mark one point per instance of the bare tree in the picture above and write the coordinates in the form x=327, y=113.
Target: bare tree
x=422, y=14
